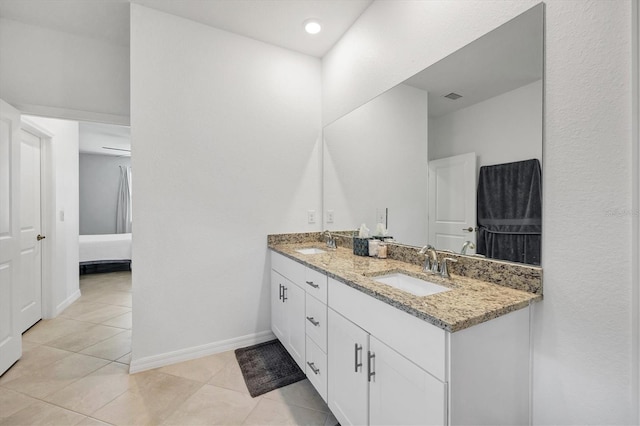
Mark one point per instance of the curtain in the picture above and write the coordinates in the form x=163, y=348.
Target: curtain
x=123, y=208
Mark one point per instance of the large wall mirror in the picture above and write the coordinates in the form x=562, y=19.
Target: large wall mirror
x=451, y=156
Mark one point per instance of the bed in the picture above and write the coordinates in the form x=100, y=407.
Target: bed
x=105, y=253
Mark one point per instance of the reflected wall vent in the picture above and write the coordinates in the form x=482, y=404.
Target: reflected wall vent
x=453, y=96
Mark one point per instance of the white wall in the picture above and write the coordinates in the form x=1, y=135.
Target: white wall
x=64, y=144
x=375, y=158
x=582, y=363
x=57, y=74
x=99, y=184
x=502, y=129
x=226, y=149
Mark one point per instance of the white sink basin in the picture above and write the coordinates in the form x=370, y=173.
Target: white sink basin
x=310, y=250
x=412, y=285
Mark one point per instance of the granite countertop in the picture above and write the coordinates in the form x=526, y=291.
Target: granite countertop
x=470, y=301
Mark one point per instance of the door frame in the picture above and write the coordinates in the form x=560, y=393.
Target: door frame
x=47, y=212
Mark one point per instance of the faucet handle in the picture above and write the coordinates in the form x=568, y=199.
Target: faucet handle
x=445, y=272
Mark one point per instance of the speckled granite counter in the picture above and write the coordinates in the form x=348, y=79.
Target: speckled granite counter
x=470, y=301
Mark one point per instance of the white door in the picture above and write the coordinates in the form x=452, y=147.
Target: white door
x=30, y=231
x=401, y=393
x=452, y=202
x=348, y=387
x=10, y=333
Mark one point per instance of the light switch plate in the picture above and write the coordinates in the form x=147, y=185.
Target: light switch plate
x=311, y=216
x=329, y=216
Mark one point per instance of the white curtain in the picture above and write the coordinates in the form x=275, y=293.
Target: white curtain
x=123, y=209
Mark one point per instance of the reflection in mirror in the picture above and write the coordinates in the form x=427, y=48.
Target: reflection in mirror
x=412, y=157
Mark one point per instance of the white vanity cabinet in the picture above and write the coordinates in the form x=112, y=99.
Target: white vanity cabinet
x=287, y=311
x=389, y=367
x=300, y=321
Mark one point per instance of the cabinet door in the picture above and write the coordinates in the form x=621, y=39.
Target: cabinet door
x=295, y=322
x=348, y=389
x=278, y=317
x=401, y=392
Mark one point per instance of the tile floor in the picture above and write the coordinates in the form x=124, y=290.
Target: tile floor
x=74, y=371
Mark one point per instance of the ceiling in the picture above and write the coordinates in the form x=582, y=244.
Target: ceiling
x=94, y=137
x=278, y=22
x=502, y=60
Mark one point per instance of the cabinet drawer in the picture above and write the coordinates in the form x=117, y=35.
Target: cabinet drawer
x=417, y=340
x=316, y=368
x=315, y=283
x=288, y=268
x=316, y=322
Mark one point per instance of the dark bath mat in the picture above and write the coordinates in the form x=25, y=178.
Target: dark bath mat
x=267, y=366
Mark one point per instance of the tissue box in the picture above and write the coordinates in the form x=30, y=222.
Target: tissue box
x=361, y=246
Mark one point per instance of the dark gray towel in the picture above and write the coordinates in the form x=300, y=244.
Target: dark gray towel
x=510, y=211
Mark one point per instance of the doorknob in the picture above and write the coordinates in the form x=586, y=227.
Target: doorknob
x=469, y=229
x=40, y=237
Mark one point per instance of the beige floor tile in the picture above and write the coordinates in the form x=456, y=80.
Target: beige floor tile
x=11, y=402
x=201, y=369
x=301, y=393
x=331, y=420
x=230, y=378
x=45, y=381
x=212, y=405
x=121, y=321
x=80, y=308
x=33, y=358
x=120, y=298
x=48, y=330
x=112, y=348
x=154, y=398
x=94, y=391
x=41, y=413
x=106, y=312
x=270, y=412
x=78, y=341
x=125, y=359
x=89, y=421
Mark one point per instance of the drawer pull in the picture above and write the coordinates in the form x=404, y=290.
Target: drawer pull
x=313, y=321
x=370, y=367
x=312, y=284
x=313, y=368
x=358, y=348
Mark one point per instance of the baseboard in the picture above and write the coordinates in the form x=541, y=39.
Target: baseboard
x=161, y=360
x=65, y=304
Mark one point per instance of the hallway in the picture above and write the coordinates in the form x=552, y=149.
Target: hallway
x=74, y=370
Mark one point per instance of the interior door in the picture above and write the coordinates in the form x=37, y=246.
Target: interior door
x=10, y=333
x=30, y=303
x=452, y=202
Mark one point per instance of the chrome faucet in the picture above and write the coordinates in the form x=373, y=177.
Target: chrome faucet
x=431, y=261
x=445, y=272
x=331, y=242
x=467, y=244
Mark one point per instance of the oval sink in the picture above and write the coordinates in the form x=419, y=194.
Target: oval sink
x=410, y=284
x=310, y=250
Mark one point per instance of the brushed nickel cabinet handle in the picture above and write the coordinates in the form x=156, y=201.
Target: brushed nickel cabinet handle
x=358, y=348
x=313, y=321
x=313, y=368
x=312, y=284
x=370, y=367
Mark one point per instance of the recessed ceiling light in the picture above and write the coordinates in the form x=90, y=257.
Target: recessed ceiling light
x=312, y=26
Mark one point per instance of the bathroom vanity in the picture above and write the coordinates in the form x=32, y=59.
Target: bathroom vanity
x=380, y=355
